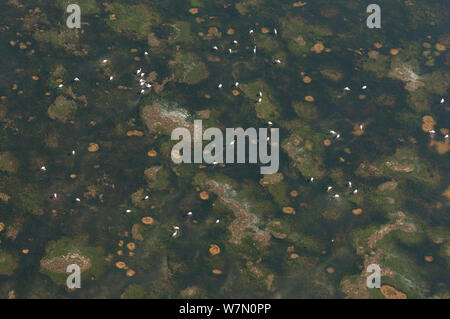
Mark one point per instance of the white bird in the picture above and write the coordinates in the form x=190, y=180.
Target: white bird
x=446, y=136
x=229, y=50
x=189, y=213
x=442, y=100
x=77, y=199
x=148, y=85
x=254, y=50
x=236, y=84
x=142, y=75
x=128, y=211
x=55, y=195
x=329, y=188
x=339, y=135
x=76, y=79
x=146, y=53
x=146, y=197
x=220, y=85
x=174, y=233
x=251, y=31
x=260, y=93
x=104, y=61
x=364, y=87
x=349, y=184
x=43, y=168
x=215, y=48
x=431, y=131
x=312, y=179
x=277, y=61
x=176, y=227
x=355, y=191
x=73, y=152
x=270, y=122
x=336, y=196
x=275, y=31
x=360, y=126
x=215, y=163
x=142, y=91
x=347, y=88
x=111, y=78
x=232, y=143
x=268, y=139
x=235, y=42
x=259, y=100
x=217, y=221
x=61, y=85
x=333, y=132
x=138, y=71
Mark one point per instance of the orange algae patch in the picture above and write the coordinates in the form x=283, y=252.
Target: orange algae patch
x=230, y=31
x=217, y=271
x=309, y=98
x=428, y=123
x=293, y=193
x=357, y=211
x=390, y=292
x=147, y=220
x=204, y=195
x=299, y=4
x=394, y=51
x=294, y=256
x=429, y=259
x=2, y=226
x=378, y=45
x=214, y=249
x=264, y=30
x=121, y=265
x=130, y=273
x=135, y=133
x=326, y=142
x=25, y=251
x=318, y=47
x=236, y=92
x=120, y=252
x=288, y=210
x=357, y=130
x=73, y=176
x=120, y=244
x=35, y=77
x=440, y=47
x=131, y=246
x=193, y=10
x=307, y=79
x=330, y=270
x=152, y=153
x=93, y=147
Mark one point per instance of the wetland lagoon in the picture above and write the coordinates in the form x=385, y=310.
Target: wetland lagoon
x=86, y=175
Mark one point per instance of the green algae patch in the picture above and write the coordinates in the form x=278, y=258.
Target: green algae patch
x=300, y=35
x=134, y=20
x=76, y=250
x=188, y=68
x=134, y=291
x=62, y=109
x=305, y=153
x=158, y=178
x=8, y=162
x=8, y=263
x=268, y=108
